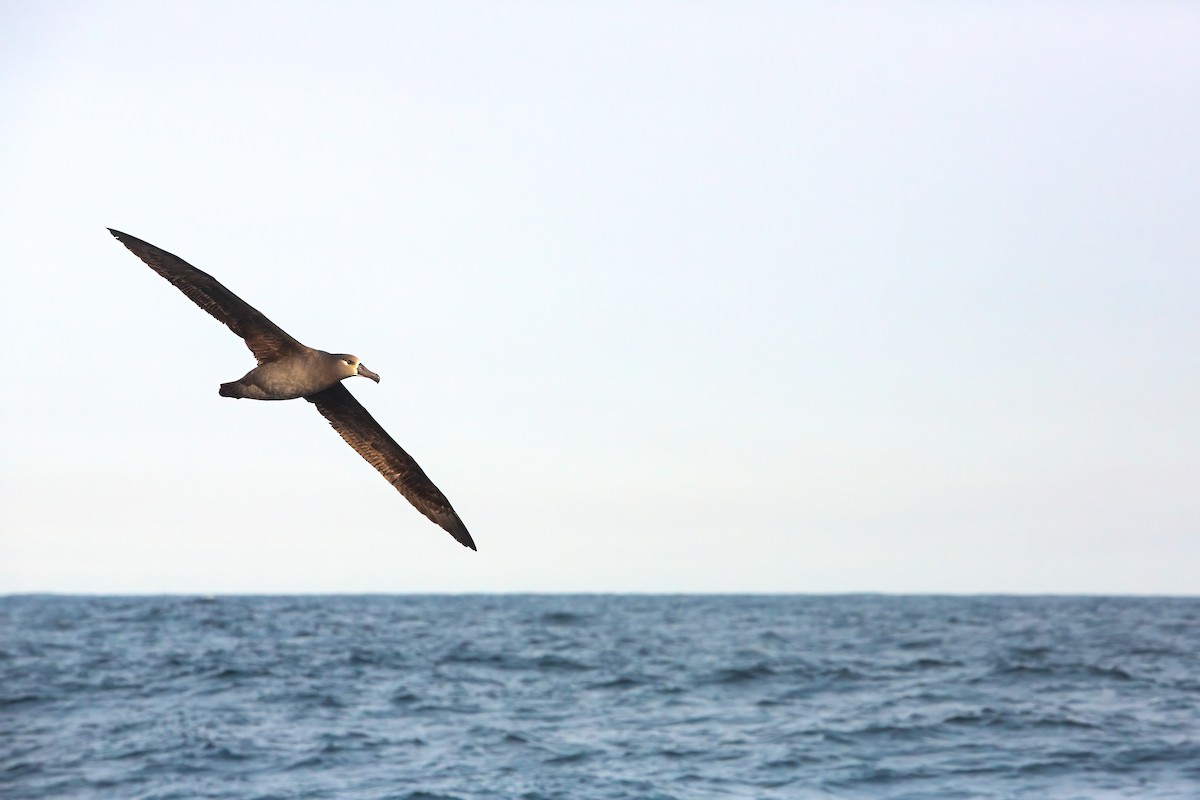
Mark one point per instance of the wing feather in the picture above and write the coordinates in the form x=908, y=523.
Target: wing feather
x=364, y=434
x=265, y=339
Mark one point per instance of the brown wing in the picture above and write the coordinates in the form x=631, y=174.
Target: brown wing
x=364, y=434
x=265, y=339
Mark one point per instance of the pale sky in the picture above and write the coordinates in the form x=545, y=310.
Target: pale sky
x=783, y=297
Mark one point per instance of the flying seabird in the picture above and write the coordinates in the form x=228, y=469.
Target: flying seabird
x=287, y=370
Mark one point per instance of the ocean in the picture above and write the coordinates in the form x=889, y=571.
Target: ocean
x=646, y=697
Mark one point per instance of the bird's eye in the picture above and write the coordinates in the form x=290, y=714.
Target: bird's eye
x=346, y=361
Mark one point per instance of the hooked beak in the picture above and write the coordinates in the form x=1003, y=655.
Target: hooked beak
x=366, y=373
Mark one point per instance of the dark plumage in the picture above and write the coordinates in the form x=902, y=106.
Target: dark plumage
x=287, y=370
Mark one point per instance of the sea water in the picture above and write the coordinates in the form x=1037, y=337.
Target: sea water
x=602, y=696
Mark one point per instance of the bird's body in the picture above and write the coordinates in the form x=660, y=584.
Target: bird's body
x=288, y=370
x=298, y=375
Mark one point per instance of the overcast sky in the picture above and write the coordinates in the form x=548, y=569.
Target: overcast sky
x=798, y=297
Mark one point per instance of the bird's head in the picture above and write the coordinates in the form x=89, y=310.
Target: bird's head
x=350, y=366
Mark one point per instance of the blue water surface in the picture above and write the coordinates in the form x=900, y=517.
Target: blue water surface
x=604, y=696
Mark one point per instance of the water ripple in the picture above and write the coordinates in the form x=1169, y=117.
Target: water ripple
x=615, y=698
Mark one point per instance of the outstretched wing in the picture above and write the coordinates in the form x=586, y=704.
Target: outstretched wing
x=364, y=434
x=265, y=339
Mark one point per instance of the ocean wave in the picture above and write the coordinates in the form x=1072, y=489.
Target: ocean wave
x=483, y=698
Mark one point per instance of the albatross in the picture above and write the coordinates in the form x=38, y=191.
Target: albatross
x=288, y=370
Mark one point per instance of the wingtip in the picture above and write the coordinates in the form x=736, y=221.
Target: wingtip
x=451, y=523
x=464, y=538
x=459, y=532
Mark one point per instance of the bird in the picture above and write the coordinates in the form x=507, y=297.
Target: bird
x=288, y=370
